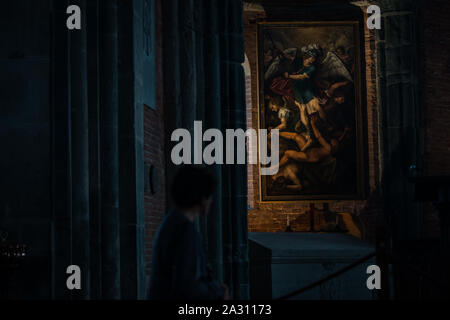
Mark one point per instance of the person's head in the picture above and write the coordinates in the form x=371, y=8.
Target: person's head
x=340, y=50
x=275, y=103
x=308, y=60
x=339, y=99
x=339, y=96
x=310, y=56
x=290, y=55
x=192, y=188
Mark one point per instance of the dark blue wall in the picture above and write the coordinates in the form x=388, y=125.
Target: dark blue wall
x=25, y=205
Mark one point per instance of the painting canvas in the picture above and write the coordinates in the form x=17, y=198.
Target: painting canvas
x=310, y=90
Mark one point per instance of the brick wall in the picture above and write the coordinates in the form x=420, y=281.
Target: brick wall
x=271, y=217
x=154, y=151
x=435, y=67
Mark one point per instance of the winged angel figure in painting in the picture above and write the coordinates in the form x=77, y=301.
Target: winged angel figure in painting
x=306, y=96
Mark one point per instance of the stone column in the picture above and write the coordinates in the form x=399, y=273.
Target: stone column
x=234, y=177
x=398, y=97
x=61, y=155
x=80, y=152
x=204, y=80
x=109, y=145
x=132, y=20
x=198, y=26
x=188, y=65
x=213, y=119
x=398, y=81
x=94, y=148
x=240, y=214
x=172, y=83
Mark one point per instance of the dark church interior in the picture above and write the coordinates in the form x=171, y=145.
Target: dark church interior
x=359, y=208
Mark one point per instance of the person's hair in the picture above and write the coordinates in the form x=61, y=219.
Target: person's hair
x=190, y=185
x=276, y=100
x=339, y=92
x=309, y=54
x=340, y=48
x=314, y=53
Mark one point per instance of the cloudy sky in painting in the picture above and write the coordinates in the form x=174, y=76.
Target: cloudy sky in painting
x=328, y=37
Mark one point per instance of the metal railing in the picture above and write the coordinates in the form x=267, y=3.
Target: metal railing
x=329, y=277
x=361, y=260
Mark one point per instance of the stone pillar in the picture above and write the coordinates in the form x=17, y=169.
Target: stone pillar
x=131, y=158
x=61, y=155
x=234, y=181
x=109, y=145
x=172, y=82
x=80, y=154
x=398, y=97
x=213, y=119
x=398, y=81
x=188, y=65
x=204, y=80
x=198, y=26
x=94, y=148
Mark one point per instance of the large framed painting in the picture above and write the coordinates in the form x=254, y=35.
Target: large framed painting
x=310, y=89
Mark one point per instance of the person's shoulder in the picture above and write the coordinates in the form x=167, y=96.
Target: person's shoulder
x=173, y=227
x=170, y=219
x=175, y=222
x=283, y=112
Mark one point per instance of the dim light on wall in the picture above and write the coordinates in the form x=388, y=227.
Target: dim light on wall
x=288, y=219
